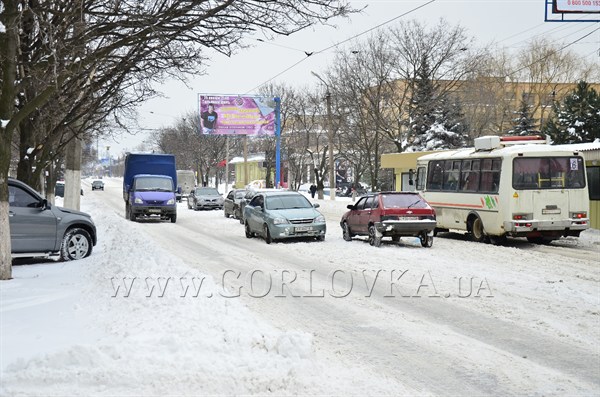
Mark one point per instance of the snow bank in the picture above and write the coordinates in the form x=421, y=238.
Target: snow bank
x=64, y=332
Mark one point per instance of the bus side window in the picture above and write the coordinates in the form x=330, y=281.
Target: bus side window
x=435, y=174
x=490, y=175
x=451, y=175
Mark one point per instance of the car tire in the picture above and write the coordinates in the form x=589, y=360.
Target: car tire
x=321, y=238
x=396, y=239
x=267, y=234
x=76, y=244
x=374, y=240
x=249, y=233
x=426, y=239
x=173, y=218
x=477, y=230
x=346, y=233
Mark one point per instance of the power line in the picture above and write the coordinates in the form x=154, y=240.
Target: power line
x=552, y=53
x=342, y=42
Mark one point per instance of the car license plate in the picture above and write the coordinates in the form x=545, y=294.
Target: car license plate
x=154, y=211
x=303, y=229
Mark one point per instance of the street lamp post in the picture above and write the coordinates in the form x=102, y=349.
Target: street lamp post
x=329, y=139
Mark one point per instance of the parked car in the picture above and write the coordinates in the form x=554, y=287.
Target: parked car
x=231, y=204
x=59, y=189
x=39, y=229
x=98, y=185
x=276, y=215
x=205, y=197
x=250, y=193
x=390, y=214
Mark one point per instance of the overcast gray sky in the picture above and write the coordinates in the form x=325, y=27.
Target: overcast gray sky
x=511, y=24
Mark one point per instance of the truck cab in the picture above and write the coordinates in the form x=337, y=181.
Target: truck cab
x=149, y=187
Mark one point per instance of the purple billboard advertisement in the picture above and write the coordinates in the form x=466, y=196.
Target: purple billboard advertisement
x=236, y=115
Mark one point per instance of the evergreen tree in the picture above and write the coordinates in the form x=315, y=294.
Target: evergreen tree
x=524, y=123
x=435, y=122
x=577, y=118
x=449, y=130
x=422, y=105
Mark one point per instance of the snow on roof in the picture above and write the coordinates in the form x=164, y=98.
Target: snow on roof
x=582, y=147
x=252, y=158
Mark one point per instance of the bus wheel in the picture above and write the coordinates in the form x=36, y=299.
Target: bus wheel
x=477, y=232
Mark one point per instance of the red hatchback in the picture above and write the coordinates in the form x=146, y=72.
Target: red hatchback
x=390, y=214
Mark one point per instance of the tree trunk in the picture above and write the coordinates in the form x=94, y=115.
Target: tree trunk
x=8, y=53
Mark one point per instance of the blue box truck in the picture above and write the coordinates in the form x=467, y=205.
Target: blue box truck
x=149, y=186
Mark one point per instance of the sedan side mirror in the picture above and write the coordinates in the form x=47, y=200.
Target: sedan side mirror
x=350, y=207
x=44, y=205
x=316, y=205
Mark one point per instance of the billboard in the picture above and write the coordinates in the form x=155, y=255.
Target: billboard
x=576, y=6
x=236, y=115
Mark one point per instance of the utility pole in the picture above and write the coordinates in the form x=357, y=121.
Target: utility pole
x=329, y=139
x=330, y=142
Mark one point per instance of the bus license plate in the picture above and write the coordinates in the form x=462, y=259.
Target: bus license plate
x=303, y=228
x=546, y=212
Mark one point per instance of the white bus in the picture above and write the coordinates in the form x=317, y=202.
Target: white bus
x=507, y=186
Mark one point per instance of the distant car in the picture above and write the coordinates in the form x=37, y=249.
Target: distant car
x=59, y=189
x=205, y=198
x=250, y=193
x=231, y=204
x=39, y=229
x=276, y=215
x=97, y=185
x=390, y=214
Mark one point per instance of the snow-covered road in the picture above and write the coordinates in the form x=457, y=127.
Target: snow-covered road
x=331, y=317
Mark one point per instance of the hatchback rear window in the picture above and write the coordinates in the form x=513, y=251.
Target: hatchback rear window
x=403, y=201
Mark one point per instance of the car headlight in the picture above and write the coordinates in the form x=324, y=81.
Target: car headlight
x=138, y=200
x=319, y=219
x=171, y=202
x=279, y=221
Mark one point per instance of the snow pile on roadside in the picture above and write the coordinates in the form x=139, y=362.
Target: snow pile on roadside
x=69, y=329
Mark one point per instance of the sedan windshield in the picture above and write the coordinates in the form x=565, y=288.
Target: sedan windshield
x=207, y=191
x=403, y=201
x=286, y=202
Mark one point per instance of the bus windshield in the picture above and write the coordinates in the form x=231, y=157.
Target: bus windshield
x=548, y=173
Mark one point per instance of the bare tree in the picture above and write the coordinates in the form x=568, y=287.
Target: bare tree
x=100, y=58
